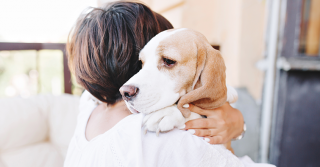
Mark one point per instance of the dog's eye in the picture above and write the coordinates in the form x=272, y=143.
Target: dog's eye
x=169, y=62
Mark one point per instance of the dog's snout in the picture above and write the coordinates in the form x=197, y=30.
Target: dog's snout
x=128, y=92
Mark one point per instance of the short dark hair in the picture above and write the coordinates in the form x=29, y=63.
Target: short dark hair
x=103, y=48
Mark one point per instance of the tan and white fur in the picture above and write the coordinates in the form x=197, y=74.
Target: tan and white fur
x=197, y=77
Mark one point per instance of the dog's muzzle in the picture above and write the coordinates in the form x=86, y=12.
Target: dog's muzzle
x=128, y=92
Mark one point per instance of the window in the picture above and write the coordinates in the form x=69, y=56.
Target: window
x=310, y=28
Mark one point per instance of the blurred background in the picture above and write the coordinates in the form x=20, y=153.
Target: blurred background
x=270, y=47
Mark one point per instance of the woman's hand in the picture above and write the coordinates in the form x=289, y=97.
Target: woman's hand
x=221, y=125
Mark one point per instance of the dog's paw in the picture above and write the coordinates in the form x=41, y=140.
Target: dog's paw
x=163, y=120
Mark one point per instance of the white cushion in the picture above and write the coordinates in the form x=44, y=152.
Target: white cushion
x=36, y=155
x=36, y=131
x=62, y=121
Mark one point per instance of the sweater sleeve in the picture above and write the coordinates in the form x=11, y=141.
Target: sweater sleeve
x=207, y=154
x=180, y=148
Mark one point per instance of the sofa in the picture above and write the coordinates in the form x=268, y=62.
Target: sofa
x=35, y=132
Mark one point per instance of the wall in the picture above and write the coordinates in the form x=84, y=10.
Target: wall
x=237, y=26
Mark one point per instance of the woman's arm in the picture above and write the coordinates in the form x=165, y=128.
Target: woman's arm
x=221, y=125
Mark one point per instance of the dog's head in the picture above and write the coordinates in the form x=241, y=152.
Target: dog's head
x=177, y=63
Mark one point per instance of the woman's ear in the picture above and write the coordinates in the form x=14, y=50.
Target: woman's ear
x=209, y=85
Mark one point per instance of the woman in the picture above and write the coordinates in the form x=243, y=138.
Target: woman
x=103, y=54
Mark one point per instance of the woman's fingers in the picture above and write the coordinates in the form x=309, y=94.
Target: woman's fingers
x=201, y=123
x=214, y=139
x=221, y=125
x=198, y=110
x=203, y=132
x=211, y=136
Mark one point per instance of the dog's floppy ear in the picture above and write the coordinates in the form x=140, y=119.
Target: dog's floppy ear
x=209, y=89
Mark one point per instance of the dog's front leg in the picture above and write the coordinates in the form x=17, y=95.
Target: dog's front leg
x=164, y=120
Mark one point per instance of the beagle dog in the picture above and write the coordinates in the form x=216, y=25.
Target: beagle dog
x=179, y=67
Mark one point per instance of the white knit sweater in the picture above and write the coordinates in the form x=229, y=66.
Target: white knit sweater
x=126, y=145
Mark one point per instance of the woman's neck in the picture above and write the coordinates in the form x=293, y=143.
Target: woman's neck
x=104, y=117
x=119, y=106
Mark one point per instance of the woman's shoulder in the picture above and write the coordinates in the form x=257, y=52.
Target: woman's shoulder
x=86, y=99
x=86, y=106
x=179, y=146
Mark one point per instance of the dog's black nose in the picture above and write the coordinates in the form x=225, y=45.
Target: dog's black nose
x=128, y=92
